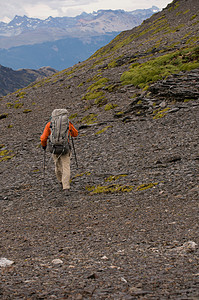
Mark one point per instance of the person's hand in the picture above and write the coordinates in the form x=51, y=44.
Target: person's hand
x=44, y=147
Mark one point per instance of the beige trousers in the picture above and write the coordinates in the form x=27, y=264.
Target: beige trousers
x=62, y=169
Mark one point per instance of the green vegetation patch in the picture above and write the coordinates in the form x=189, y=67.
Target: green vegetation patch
x=103, y=130
x=112, y=87
x=160, y=113
x=98, y=62
x=9, y=105
x=73, y=116
x=113, y=188
x=110, y=106
x=100, y=101
x=26, y=111
x=117, y=43
x=186, y=11
x=93, y=95
x=192, y=40
x=21, y=95
x=89, y=119
x=193, y=17
x=18, y=105
x=188, y=100
x=94, y=78
x=115, y=177
x=112, y=64
x=98, y=84
x=6, y=155
x=174, y=5
x=80, y=175
x=119, y=114
x=146, y=186
x=94, y=92
x=156, y=69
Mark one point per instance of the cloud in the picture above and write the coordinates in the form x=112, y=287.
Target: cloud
x=39, y=8
x=58, y=8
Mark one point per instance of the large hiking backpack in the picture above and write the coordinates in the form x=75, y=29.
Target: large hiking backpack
x=59, y=137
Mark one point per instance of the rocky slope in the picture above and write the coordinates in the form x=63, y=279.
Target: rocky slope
x=129, y=228
x=11, y=80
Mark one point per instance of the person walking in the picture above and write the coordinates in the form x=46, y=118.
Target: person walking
x=59, y=130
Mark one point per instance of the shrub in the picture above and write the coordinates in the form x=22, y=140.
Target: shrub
x=153, y=70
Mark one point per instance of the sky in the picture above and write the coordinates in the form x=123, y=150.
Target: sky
x=42, y=9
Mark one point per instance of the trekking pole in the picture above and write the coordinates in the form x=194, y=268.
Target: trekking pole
x=74, y=151
x=44, y=166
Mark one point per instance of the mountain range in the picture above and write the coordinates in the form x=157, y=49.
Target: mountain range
x=62, y=42
x=128, y=226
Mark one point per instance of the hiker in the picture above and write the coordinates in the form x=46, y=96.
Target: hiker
x=59, y=130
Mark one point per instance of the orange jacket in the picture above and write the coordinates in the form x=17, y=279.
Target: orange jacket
x=47, y=131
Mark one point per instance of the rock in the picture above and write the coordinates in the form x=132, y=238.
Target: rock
x=92, y=276
x=163, y=104
x=4, y=262
x=175, y=109
x=172, y=159
x=187, y=247
x=57, y=261
x=123, y=279
x=79, y=297
x=137, y=291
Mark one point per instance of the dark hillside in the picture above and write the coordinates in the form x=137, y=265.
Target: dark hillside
x=129, y=228
x=11, y=80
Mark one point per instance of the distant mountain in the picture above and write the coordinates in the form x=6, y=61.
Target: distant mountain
x=11, y=80
x=79, y=36
x=29, y=31
x=57, y=54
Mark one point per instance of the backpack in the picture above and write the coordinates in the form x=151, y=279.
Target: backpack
x=59, y=138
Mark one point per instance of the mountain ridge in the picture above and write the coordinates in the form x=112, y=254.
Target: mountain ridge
x=62, y=27
x=11, y=80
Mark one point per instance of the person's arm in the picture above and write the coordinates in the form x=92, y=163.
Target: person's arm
x=72, y=130
x=45, y=135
